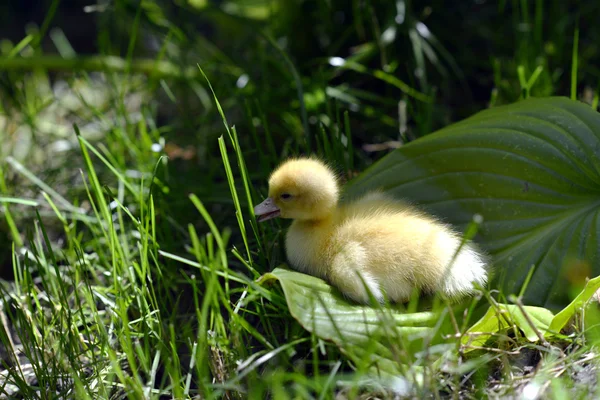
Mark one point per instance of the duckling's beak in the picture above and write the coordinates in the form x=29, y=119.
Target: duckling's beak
x=266, y=210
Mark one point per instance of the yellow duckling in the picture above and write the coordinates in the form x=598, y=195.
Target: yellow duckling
x=374, y=242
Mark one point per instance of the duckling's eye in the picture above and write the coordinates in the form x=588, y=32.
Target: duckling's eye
x=285, y=196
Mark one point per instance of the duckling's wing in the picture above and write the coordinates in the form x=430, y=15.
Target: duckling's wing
x=375, y=203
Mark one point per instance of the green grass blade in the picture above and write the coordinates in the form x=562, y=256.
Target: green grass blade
x=17, y=166
x=574, y=64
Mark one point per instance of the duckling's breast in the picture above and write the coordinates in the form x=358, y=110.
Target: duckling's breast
x=307, y=247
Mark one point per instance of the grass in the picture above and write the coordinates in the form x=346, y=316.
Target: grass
x=130, y=254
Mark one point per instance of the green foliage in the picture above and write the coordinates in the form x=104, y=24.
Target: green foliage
x=562, y=318
x=530, y=170
x=536, y=323
x=128, y=250
x=532, y=321
x=385, y=336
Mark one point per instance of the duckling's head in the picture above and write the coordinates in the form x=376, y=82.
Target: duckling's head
x=302, y=189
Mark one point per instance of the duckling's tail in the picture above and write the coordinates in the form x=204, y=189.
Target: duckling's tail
x=469, y=267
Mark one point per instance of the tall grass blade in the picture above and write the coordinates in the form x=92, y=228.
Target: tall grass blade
x=574, y=64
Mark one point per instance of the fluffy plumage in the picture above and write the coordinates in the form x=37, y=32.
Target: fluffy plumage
x=375, y=242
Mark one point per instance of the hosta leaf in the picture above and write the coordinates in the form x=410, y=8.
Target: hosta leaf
x=379, y=335
x=531, y=169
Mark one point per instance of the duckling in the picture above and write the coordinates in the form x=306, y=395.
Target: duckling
x=375, y=244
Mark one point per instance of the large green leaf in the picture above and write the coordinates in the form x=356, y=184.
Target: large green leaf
x=384, y=337
x=531, y=169
x=381, y=336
